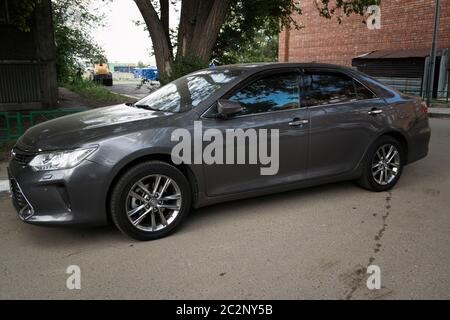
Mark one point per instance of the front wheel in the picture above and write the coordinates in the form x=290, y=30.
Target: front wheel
x=150, y=200
x=383, y=165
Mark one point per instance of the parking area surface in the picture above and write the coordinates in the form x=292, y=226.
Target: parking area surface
x=131, y=88
x=307, y=244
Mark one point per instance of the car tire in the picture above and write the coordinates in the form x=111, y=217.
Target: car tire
x=163, y=209
x=381, y=169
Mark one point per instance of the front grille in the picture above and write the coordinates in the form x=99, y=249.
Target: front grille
x=19, y=200
x=21, y=157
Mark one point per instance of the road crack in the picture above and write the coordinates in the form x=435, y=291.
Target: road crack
x=356, y=278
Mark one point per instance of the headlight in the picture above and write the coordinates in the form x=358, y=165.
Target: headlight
x=60, y=159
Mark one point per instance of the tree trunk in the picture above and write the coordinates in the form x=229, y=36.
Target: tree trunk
x=186, y=28
x=164, y=5
x=210, y=19
x=161, y=45
x=200, y=23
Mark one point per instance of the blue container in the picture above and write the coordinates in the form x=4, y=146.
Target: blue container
x=137, y=72
x=150, y=73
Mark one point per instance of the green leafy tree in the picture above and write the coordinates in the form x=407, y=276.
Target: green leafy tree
x=21, y=12
x=262, y=46
x=221, y=28
x=73, y=23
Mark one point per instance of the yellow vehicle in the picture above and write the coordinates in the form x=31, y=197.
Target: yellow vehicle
x=102, y=74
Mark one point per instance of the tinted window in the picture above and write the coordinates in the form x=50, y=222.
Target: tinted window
x=272, y=93
x=322, y=88
x=188, y=92
x=362, y=92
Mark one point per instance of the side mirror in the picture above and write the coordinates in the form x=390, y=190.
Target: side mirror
x=227, y=108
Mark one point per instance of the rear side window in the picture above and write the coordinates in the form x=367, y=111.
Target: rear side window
x=322, y=88
x=272, y=93
x=362, y=92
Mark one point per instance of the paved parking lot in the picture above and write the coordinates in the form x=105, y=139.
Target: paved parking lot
x=307, y=244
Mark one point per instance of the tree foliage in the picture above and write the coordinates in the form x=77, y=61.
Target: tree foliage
x=21, y=12
x=262, y=46
x=73, y=23
x=343, y=8
x=250, y=31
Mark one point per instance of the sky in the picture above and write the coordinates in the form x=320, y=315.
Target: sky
x=121, y=39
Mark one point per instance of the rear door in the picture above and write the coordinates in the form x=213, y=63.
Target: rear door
x=345, y=118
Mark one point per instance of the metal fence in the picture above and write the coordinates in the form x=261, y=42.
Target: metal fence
x=407, y=85
x=413, y=86
x=19, y=82
x=13, y=124
x=443, y=96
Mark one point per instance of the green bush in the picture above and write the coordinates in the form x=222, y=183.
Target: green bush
x=185, y=65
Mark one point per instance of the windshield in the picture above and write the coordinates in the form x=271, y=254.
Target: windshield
x=189, y=91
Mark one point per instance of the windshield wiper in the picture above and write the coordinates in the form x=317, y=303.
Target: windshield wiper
x=144, y=106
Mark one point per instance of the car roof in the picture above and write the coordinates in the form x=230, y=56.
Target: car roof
x=260, y=66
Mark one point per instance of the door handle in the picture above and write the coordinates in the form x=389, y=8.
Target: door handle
x=374, y=112
x=298, y=122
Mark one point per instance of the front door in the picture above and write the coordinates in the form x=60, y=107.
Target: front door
x=269, y=101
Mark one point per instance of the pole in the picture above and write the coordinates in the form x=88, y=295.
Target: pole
x=433, y=54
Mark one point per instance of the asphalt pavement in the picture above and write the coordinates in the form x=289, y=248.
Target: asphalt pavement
x=313, y=243
x=132, y=88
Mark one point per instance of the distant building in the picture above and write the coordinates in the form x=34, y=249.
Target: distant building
x=27, y=60
x=122, y=67
x=397, y=53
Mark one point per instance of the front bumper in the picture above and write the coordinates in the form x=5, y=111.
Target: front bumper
x=62, y=197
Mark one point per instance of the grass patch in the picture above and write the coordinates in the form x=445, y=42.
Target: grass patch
x=96, y=93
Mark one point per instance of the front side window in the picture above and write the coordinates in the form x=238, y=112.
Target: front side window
x=272, y=93
x=189, y=91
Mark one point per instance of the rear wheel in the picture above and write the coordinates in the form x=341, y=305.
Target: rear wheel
x=383, y=165
x=150, y=200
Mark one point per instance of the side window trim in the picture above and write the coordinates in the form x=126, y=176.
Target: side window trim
x=375, y=96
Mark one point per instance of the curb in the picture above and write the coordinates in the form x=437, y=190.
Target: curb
x=4, y=186
x=127, y=95
x=439, y=115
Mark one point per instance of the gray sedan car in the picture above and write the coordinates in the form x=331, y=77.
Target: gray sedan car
x=117, y=163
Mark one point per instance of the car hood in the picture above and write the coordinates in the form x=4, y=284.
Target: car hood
x=88, y=127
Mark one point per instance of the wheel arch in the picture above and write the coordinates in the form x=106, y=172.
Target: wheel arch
x=401, y=138
x=185, y=170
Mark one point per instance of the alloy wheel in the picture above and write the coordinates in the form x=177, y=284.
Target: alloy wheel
x=153, y=203
x=386, y=164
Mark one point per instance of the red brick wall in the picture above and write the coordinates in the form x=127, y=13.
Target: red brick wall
x=405, y=24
